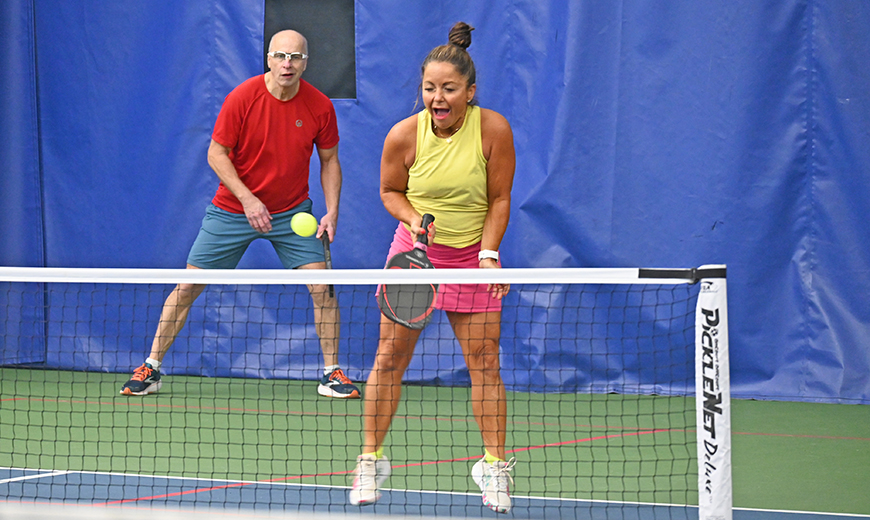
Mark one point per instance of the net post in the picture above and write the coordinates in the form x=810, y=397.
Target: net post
x=713, y=396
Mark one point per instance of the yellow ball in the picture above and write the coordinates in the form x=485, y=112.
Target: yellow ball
x=304, y=224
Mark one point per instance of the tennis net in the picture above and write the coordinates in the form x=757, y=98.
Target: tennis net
x=617, y=394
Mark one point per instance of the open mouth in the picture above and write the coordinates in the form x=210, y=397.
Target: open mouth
x=440, y=113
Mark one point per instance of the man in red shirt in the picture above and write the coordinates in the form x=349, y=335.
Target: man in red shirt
x=260, y=150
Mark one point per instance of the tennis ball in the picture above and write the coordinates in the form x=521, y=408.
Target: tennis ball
x=303, y=224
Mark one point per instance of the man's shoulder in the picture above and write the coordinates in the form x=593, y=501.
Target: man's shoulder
x=250, y=85
x=311, y=93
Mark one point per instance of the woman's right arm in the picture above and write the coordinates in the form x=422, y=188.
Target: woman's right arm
x=400, y=147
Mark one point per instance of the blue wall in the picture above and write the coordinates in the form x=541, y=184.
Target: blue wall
x=648, y=133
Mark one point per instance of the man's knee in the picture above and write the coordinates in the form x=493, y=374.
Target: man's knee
x=320, y=296
x=186, y=294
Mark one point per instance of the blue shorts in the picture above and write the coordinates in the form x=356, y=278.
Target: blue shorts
x=224, y=238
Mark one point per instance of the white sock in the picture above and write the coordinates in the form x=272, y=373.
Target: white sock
x=330, y=369
x=154, y=363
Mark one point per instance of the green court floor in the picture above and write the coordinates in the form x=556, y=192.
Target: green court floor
x=801, y=456
x=786, y=456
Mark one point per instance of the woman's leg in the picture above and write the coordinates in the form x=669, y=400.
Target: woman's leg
x=478, y=335
x=384, y=386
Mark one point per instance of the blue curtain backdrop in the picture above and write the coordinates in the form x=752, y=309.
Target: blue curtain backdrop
x=649, y=133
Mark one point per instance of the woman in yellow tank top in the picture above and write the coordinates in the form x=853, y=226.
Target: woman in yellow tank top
x=455, y=161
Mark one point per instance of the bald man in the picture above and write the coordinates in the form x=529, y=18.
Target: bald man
x=261, y=150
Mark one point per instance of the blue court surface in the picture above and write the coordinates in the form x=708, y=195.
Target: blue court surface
x=46, y=493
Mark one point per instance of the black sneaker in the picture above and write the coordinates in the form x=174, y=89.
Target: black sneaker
x=145, y=381
x=337, y=385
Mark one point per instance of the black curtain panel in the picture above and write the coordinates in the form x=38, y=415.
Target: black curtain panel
x=329, y=27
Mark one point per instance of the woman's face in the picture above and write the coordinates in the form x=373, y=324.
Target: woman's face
x=445, y=94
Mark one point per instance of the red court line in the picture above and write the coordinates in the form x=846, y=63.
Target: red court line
x=404, y=417
x=290, y=412
x=803, y=436
x=590, y=439
x=176, y=406
x=424, y=463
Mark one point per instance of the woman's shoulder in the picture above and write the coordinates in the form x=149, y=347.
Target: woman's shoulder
x=491, y=117
x=493, y=123
x=400, y=145
x=404, y=130
x=409, y=123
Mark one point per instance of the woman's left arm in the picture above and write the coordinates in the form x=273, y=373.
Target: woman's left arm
x=498, y=148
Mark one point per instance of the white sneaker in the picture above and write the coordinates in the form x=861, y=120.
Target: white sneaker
x=370, y=473
x=494, y=481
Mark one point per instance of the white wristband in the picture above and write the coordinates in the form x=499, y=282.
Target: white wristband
x=487, y=253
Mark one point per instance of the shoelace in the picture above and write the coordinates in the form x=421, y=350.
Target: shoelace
x=338, y=374
x=141, y=373
x=368, y=470
x=499, y=471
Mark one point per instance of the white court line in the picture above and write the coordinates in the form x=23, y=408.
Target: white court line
x=28, y=477
x=299, y=484
x=293, y=483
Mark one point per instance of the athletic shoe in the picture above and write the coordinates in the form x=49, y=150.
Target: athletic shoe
x=337, y=385
x=145, y=381
x=494, y=481
x=369, y=474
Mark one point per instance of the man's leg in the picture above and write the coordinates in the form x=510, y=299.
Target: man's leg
x=327, y=318
x=298, y=252
x=327, y=322
x=146, y=378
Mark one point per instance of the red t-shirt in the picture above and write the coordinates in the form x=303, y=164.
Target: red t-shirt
x=271, y=142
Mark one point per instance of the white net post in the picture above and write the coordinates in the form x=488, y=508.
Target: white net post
x=713, y=397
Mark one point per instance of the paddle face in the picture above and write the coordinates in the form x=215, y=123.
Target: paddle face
x=410, y=305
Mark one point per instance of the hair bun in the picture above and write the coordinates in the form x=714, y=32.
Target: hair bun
x=460, y=35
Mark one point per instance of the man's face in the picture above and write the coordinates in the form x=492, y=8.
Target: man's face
x=287, y=71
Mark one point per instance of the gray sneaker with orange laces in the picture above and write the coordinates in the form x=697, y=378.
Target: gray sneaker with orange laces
x=336, y=384
x=145, y=380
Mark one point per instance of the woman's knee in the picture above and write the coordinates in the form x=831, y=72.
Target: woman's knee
x=392, y=357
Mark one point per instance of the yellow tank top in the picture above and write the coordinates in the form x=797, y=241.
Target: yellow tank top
x=448, y=180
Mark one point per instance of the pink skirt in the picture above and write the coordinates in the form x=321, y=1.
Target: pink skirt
x=452, y=296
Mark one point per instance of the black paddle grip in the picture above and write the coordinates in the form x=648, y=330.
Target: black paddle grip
x=428, y=218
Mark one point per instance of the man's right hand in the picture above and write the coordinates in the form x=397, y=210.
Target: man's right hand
x=257, y=214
